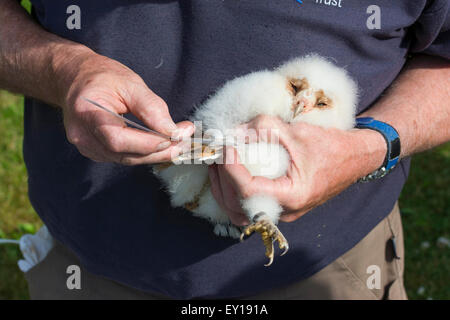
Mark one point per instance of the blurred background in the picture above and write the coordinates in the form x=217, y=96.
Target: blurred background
x=425, y=207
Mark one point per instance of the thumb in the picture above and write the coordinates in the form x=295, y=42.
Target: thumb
x=234, y=170
x=152, y=111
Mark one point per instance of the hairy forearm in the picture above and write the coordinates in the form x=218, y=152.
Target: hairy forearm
x=418, y=104
x=32, y=61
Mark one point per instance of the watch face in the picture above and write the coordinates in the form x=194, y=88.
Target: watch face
x=393, y=145
x=395, y=148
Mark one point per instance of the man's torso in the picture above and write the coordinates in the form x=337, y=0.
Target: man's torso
x=118, y=219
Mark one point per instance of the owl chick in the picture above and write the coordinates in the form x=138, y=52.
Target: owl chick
x=309, y=89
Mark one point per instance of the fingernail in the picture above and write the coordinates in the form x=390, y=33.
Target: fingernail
x=163, y=145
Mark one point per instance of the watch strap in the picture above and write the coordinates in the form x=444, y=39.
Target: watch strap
x=392, y=139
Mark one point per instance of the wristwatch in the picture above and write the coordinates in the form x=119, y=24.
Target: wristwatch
x=393, y=146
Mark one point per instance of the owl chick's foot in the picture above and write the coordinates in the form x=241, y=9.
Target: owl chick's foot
x=269, y=234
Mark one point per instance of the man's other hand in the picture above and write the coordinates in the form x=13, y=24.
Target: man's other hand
x=323, y=163
x=104, y=138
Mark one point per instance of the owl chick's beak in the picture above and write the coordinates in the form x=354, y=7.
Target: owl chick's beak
x=305, y=101
x=299, y=108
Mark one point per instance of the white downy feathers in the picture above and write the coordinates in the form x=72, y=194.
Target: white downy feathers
x=324, y=92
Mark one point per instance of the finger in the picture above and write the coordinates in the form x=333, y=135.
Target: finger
x=93, y=148
x=97, y=152
x=232, y=202
x=245, y=134
x=185, y=129
x=267, y=128
x=290, y=217
x=247, y=185
x=233, y=170
x=216, y=190
x=153, y=111
x=119, y=138
x=230, y=197
x=129, y=140
x=236, y=217
x=93, y=155
x=113, y=133
x=164, y=156
x=88, y=145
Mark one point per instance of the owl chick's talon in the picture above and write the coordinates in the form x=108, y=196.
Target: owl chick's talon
x=269, y=253
x=283, y=246
x=269, y=233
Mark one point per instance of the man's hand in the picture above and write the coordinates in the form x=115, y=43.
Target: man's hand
x=60, y=72
x=324, y=162
x=102, y=137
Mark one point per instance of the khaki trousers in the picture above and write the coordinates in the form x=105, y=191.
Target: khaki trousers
x=352, y=276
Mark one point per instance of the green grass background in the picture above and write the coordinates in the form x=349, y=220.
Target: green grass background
x=425, y=205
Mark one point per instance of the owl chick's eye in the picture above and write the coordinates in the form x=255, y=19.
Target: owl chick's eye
x=322, y=100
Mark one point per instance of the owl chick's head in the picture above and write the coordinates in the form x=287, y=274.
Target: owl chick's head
x=323, y=94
